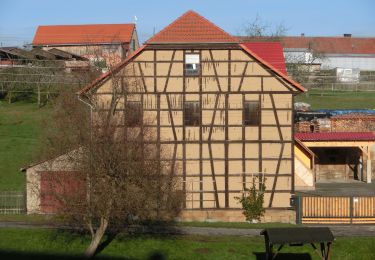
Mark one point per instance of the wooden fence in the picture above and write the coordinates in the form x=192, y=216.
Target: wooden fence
x=12, y=202
x=335, y=210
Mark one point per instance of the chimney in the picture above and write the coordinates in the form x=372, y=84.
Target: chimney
x=347, y=35
x=302, y=34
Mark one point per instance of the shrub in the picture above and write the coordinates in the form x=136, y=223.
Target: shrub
x=252, y=201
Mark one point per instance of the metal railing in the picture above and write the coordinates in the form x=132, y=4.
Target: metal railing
x=12, y=202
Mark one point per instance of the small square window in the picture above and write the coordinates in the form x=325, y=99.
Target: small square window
x=192, y=64
x=133, y=113
x=192, y=113
x=251, y=112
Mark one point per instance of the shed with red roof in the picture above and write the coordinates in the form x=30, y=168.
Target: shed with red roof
x=341, y=156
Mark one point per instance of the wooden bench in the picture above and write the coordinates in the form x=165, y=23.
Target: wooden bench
x=297, y=237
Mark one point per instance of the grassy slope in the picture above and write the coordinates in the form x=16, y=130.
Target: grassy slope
x=339, y=100
x=174, y=247
x=20, y=125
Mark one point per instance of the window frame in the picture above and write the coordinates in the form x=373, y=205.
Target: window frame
x=192, y=72
x=195, y=108
x=248, y=118
x=136, y=120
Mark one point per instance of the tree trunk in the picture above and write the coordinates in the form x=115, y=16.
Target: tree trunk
x=95, y=240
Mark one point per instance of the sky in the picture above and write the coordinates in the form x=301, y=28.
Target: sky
x=20, y=18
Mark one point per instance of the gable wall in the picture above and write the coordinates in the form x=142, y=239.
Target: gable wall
x=218, y=160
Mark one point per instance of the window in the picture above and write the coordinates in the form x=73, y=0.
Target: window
x=192, y=113
x=133, y=113
x=133, y=45
x=251, y=113
x=192, y=64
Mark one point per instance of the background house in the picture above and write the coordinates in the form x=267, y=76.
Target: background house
x=327, y=52
x=98, y=42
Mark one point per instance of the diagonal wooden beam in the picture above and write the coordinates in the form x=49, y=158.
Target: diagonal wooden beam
x=169, y=71
x=276, y=117
x=213, y=176
x=276, y=175
x=243, y=76
x=171, y=116
x=142, y=77
x=213, y=117
x=215, y=71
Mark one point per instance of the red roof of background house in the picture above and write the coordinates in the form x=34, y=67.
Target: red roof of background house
x=336, y=45
x=83, y=34
x=336, y=136
x=192, y=28
x=272, y=52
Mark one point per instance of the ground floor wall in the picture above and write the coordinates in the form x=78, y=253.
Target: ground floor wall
x=271, y=215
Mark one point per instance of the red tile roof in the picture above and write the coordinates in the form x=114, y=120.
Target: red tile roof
x=193, y=37
x=336, y=136
x=192, y=28
x=335, y=45
x=272, y=52
x=83, y=34
x=272, y=68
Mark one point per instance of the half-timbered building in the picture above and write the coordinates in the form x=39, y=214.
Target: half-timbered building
x=222, y=112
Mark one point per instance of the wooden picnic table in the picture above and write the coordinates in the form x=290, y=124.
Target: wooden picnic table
x=298, y=236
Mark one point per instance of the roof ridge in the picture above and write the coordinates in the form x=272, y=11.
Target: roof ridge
x=170, y=27
x=204, y=18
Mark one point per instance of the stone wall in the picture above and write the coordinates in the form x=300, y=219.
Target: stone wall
x=271, y=215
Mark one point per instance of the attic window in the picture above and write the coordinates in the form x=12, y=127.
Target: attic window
x=192, y=64
x=251, y=113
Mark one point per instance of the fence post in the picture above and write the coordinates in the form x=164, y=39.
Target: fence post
x=296, y=202
x=351, y=209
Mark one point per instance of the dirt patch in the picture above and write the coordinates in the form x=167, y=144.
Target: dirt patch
x=202, y=250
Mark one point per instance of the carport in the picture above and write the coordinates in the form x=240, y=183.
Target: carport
x=340, y=156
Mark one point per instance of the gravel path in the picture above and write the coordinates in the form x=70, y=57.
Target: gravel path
x=338, y=230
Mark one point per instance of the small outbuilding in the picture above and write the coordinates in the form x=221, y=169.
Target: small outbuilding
x=341, y=156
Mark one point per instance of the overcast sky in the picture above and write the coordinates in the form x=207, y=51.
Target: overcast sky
x=20, y=18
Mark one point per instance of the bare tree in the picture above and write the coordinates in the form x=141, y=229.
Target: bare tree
x=118, y=176
x=301, y=66
x=259, y=28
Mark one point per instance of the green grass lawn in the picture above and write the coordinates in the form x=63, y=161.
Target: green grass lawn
x=26, y=241
x=20, y=125
x=338, y=99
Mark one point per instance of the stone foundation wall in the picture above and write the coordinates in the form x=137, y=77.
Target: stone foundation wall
x=271, y=215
